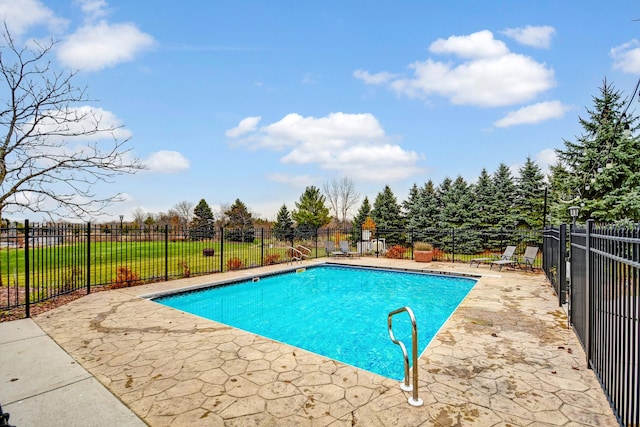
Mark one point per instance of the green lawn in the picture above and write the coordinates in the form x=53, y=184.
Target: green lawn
x=66, y=265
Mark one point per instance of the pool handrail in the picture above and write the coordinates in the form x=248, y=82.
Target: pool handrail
x=414, y=400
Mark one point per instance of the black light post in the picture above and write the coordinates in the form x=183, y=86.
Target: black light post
x=544, y=209
x=573, y=211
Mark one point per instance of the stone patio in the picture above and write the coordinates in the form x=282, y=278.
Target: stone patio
x=504, y=358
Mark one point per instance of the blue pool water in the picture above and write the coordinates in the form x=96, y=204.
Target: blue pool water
x=338, y=312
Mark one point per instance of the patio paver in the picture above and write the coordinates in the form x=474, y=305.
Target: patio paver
x=505, y=357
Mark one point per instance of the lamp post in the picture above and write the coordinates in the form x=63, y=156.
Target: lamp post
x=573, y=211
x=544, y=208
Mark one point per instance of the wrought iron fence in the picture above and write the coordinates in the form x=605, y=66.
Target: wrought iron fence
x=605, y=277
x=554, y=262
x=39, y=262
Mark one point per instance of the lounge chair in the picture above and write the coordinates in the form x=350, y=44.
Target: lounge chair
x=344, y=248
x=507, y=254
x=529, y=257
x=330, y=247
x=506, y=259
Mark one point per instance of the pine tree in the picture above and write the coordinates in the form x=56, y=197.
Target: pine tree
x=484, y=196
x=505, y=195
x=604, y=163
x=311, y=212
x=201, y=226
x=456, y=213
x=421, y=210
x=360, y=218
x=386, y=213
x=283, y=227
x=240, y=222
x=530, y=196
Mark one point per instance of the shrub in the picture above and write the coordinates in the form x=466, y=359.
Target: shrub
x=271, y=259
x=125, y=278
x=422, y=246
x=186, y=271
x=234, y=263
x=396, y=252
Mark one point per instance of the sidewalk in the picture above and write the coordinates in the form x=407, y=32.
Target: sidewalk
x=40, y=384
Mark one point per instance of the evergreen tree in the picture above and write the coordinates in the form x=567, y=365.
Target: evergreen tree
x=311, y=212
x=484, y=201
x=505, y=195
x=283, y=227
x=202, y=223
x=457, y=213
x=420, y=210
x=530, y=196
x=559, y=193
x=604, y=162
x=240, y=222
x=360, y=218
x=386, y=213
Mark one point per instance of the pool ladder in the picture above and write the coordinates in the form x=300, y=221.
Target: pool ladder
x=414, y=400
x=299, y=253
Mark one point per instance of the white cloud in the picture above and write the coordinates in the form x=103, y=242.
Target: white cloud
x=539, y=37
x=488, y=76
x=93, y=9
x=352, y=145
x=535, y=113
x=300, y=181
x=626, y=57
x=87, y=122
x=373, y=79
x=476, y=45
x=97, y=46
x=166, y=162
x=246, y=125
x=546, y=158
x=24, y=14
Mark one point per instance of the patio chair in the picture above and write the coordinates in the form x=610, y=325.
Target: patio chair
x=529, y=257
x=344, y=248
x=330, y=247
x=507, y=254
x=506, y=259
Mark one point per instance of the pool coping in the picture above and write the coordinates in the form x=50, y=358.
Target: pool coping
x=504, y=357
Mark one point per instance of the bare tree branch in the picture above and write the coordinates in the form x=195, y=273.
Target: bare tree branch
x=53, y=147
x=342, y=196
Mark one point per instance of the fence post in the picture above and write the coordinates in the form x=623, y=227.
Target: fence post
x=222, y=249
x=262, y=247
x=88, y=257
x=26, y=269
x=453, y=245
x=562, y=264
x=166, y=252
x=587, y=293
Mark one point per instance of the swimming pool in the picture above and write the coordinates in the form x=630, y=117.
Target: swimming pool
x=338, y=312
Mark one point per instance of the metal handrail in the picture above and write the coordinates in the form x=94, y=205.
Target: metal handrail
x=298, y=255
x=414, y=400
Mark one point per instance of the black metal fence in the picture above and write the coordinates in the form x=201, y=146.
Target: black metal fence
x=39, y=262
x=554, y=261
x=605, y=272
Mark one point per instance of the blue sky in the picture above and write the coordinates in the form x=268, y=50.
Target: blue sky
x=258, y=99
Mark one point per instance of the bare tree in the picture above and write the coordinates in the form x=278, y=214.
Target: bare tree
x=139, y=215
x=53, y=147
x=184, y=210
x=342, y=197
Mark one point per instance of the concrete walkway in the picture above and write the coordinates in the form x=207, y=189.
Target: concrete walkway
x=41, y=385
x=504, y=358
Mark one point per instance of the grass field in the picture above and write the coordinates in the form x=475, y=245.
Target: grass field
x=69, y=264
